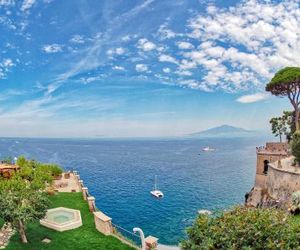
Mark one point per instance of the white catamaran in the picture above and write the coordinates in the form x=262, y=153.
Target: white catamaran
x=157, y=193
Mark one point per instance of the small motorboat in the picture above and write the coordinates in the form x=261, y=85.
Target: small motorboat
x=208, y=149
x=156, y=193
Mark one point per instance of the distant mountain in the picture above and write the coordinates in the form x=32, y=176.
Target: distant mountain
x=224, y=131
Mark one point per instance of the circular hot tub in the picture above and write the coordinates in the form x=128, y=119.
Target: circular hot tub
x=62, y=219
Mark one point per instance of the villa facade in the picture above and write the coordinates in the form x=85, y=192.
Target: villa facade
x=272, y=152
x=6, y=170
x=276, y=176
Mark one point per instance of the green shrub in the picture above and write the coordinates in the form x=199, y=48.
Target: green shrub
x=295, y=146
x=243, y=228
x=30, y=169
x=21, y=161
x=55, y=169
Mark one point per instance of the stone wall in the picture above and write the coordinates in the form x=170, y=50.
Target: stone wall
x=261, y=158
x=282, y=180
x=270, y=153
x=260, y=181
x=273, y=151
x=103, y=223
x=281, y=184
x=261, y=177
x=277, y=146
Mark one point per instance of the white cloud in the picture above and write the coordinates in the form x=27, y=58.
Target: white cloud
x=90, y=79
x=193, y=84
x=110, y=52
x=146, y=45
x=11, y=93
x=185, y=64
x=248, y=42
x=167, y=58
x=141, y=67
x=184, y=73
x=7, y=2
x=253, y=98
x=165, y=33
x=5, y=65
x=166, y=70
x=121, y=68
x=52, y=48
x=195, y=56
x=120, y=51
x=135, y=11
x=126, y=38
x=91, y=57
x=231, y=49
x=185, y=45
x=117, y=51
x=27, y=4
x=77, y=39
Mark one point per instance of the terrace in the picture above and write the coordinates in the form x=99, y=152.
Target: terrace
x=274, y=148
x=66, y=183
x=84, y=237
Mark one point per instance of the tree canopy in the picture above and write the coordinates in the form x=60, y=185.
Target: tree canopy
x=23, y=197
x=286, y=82
x=21, y=202
x=279, y=127
x=283, y=125
x=244, y=228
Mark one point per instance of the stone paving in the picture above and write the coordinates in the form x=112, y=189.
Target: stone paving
x=69, y=184
x=5, y=233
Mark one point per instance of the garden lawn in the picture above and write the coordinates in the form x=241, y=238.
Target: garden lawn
x=85, y=237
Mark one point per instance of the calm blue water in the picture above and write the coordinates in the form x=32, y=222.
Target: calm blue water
x=120, y=174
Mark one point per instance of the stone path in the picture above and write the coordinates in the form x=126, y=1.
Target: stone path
x=5, y=233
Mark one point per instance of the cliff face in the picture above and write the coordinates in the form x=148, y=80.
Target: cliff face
x=258, y=197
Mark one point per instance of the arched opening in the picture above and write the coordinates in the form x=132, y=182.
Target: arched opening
x=266, y=166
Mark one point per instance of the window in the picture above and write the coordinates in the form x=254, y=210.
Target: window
x=266, y=166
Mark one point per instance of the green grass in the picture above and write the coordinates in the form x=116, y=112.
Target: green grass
x=296, y=219
x=85, y=237
x=1, y=223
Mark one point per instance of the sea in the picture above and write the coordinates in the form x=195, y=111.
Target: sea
x=120, y=175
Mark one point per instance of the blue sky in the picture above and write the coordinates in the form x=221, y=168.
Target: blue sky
x=83, y=68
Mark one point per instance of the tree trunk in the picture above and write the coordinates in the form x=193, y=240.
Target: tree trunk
x=280, y=137
x=297, y=118
x=22, y=233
